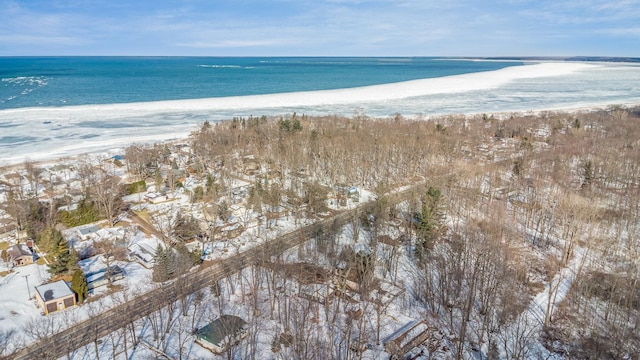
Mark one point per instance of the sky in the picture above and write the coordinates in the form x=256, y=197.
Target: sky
x=320, y=27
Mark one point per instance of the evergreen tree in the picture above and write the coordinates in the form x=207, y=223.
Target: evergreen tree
x=296, y=126
x=48, y=240
x=79, y=285
x=85, y=213
x=576, y=123
x=57, y=248
x=209, y=184
x=429, y=222
x=158, y=181
x=284, y=124
x=64, y=258
x=587, y=173
x=170, y=264
x=161, y=271
x=315, y=196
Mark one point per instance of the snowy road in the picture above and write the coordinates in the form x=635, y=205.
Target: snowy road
x=521, y=337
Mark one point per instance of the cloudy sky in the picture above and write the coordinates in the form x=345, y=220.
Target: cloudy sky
x=320, y=27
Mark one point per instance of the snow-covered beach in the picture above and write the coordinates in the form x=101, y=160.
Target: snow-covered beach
x=52, y=132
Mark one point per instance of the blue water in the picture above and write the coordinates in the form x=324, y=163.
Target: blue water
x=63, y=81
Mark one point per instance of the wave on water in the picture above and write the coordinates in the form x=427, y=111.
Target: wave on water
x=225, y=66
x=26, y=80
x=22, y=85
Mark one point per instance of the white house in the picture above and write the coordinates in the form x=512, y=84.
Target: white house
x=55, y=296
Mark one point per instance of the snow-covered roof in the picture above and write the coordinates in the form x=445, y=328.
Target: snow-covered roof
x=18, y=250
x=145, y=248
x=152, y=195
x=88, y=230
x=109, y=233
x=139, y=252
x=54, y=290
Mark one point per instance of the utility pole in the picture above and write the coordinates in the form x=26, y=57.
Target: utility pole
x=26, y=277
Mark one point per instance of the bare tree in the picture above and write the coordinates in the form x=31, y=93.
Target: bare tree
x=111, y=250
x=518, y=337
x=107, y=192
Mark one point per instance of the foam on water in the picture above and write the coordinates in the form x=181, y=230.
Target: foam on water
x=22, y=85
x=225, y=66
x=61, y=131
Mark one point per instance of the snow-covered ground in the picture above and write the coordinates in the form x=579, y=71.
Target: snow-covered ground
x=240, y=293
x=522, y=336
x=17, y=291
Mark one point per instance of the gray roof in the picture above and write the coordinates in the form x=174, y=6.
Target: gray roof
x=217, y=330
x=18, y=250
x=88, y=230
x=54, y=290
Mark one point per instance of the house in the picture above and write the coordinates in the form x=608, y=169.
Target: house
x=144, y=250
x=20, y=254
x=55, y=296
x=222, y=333
x=155, y=197
x=85, y=232
x=406, y=338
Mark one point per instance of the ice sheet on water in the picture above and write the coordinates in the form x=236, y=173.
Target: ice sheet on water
x=542, y=86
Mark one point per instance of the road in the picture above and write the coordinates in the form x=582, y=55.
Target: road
x=83, y=333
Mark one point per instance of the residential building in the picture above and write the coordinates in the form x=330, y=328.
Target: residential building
x=55, y=296
x=20, y=254
x=222, y=333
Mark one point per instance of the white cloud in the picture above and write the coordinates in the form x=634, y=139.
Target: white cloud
x=234, y=43
x=627, y=32
x=308, y=27
x=41, y=40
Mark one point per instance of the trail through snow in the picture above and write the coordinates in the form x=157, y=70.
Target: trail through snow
x=522, y=336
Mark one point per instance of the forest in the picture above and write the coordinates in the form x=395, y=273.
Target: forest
x=516, y=236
